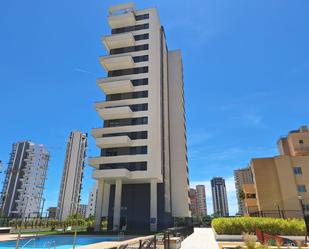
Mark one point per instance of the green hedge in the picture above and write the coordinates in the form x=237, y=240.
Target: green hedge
x=275, y=226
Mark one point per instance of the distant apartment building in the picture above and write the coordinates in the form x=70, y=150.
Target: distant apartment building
x=52, y=211
x=241, y=177
x=193, y=201
x=92, y=198
x=280, y=182
x=219, y=197
x=24, y=180
x=142, y=171
x=82, y=209
x=201, y=199
x=72, y=175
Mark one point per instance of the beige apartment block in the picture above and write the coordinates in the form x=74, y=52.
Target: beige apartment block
x=142, y=170
x=282, y=182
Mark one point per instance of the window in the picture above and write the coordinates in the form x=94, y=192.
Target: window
x=126, y=122
x=130, y=95
x=130, y=28
x=140, y=82
x=141, y=37
x=140, y=58
x=136, y=70
x=133, y=166
x=297, y=171
x=132, y=135
x=301, y=188
x=129, y=49
x=142, y=17
x=251, y=196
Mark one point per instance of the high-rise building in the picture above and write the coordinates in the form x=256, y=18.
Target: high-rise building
x=24, y=180
x=193, y=201
x=52, y=211
x=82, y=210
x=92, y=198
x=142, y=171
x=72, y=175
x=219, y=197
x=282, y=181
x=201, y=199
x=241, y=177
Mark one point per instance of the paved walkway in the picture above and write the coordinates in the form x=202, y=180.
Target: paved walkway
x=202, y=238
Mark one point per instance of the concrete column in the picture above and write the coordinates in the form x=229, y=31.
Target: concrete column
x=117, y=205
x=105, y=200
x=153, y=205
x=98, y=210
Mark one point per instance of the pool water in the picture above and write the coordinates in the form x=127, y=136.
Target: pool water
x=58, y=242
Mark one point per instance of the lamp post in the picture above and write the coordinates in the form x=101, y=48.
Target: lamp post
x=300, y=198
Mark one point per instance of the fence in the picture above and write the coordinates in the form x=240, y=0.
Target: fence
x=284, y=214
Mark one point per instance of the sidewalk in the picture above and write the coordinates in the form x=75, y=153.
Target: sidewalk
x=202, y=238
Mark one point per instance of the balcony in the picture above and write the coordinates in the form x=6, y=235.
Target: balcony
x=97, y=161
x=122, y=20
x=120, y=86
x=115, y=112
x=111, y=63
x=118, y=41
x=113, y=142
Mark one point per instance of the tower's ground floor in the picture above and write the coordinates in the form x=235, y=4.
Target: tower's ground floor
x=132, y=207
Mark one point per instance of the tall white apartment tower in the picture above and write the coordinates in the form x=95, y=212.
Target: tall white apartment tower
x=219, y=197
x=24, y=180
x=142, y=171
x=201, y=199
x=92, y=198
x=72, y=175
x=242, y=176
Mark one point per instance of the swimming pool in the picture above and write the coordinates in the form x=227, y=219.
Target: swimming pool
x=55, y=241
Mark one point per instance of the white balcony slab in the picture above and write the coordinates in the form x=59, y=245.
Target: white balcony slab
x=121, y=20
x=115, y=112
x=120, y=86
x=111, y=63
x=113, y=142
x=118, y=41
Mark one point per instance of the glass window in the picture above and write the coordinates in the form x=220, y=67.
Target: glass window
x=297, y=171
x=301, y=188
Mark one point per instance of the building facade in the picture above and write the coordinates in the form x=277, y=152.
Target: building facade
x=52, y=211
x=24, y=180
x=286, y=175
x=193, y=201
x=92, y=198
x=219, y=197
x=82, y=210
x=142, y=171
x=241, y=177
x=201, y=199
x=72, y=175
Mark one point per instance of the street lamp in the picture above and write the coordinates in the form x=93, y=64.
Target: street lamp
x=300, y=198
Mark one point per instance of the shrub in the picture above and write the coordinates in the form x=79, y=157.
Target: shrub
x=274, y=226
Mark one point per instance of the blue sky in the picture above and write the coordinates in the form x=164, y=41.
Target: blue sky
x=246, y=67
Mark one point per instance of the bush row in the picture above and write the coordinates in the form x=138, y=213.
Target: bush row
x=274, y=226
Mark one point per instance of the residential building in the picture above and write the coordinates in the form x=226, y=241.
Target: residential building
x=52, y=211
x=92, y=198
x=82, y=209
x=201, y=199
x=193, y=201
x=219, y=197
x=280, y=182
x=72, y=175
x=241, y=177
x=24, y=180
x=142, y=171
